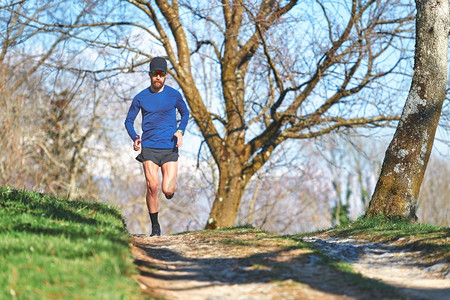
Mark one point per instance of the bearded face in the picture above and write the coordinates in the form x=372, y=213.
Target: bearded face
x=157, y=82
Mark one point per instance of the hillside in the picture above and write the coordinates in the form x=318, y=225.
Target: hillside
x=52, y=248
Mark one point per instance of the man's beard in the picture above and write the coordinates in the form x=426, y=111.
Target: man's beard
x=158, y=85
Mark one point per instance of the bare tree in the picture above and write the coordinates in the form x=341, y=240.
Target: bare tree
x=283, y=112
x=68, y=123
x=21, y=92
x=47, y=118
x=16, y=122
x=397, y=190
x=270, y=85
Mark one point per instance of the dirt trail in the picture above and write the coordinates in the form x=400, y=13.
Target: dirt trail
x=397, y=266
x=246, y=264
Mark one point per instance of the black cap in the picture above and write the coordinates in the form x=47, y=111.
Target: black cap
x=158, y=64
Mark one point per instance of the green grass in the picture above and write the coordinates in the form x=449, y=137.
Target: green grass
x=233, y=230
x=51, y=248
x=384, y=227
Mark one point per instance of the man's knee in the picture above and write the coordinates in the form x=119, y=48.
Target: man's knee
x=169, y=186
x=152, y=187
x=168, y=190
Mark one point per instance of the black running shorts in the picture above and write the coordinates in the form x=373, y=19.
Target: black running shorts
x=158, y=156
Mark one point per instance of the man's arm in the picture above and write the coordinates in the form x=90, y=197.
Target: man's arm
x=184, y=112
x=131, y=116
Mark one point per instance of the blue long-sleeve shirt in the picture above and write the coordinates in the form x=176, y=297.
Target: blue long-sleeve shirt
x=159, y=121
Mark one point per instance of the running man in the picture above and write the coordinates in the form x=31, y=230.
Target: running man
x=161, y=137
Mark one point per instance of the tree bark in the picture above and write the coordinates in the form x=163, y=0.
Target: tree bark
x=228, y=197
x=397, y=190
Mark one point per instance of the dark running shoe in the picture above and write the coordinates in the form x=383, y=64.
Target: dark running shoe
x=169, y=197
x=156, y=230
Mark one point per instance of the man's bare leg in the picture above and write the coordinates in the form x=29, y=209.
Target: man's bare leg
x=169, y=172
x=151, y=177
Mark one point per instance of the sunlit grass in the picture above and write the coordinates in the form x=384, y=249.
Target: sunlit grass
x=381, y=226
x=51, y=248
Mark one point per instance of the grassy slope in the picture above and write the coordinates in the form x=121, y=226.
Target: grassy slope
x=52, y=248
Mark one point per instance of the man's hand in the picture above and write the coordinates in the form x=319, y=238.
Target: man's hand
x=137, y=144
x=179, y=137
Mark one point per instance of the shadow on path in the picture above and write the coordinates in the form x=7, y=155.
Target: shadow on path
x=180, y=265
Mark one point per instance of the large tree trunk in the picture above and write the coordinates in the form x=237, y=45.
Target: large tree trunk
x=228, y=197
x=406, y=159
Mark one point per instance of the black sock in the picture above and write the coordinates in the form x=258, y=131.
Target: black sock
x=154, y=218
